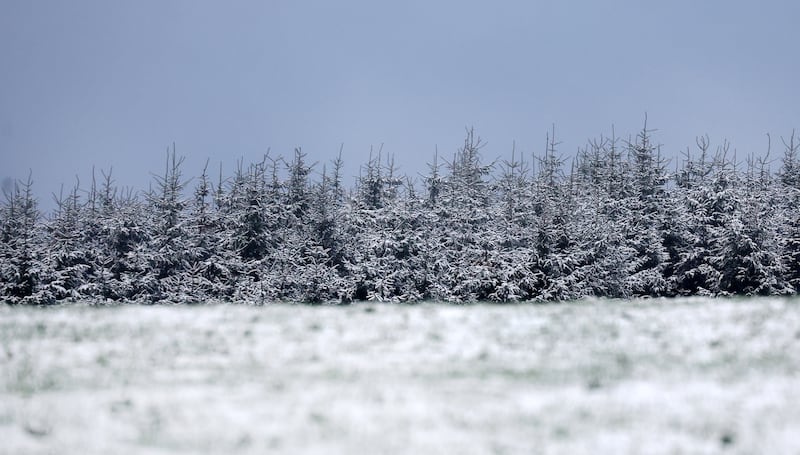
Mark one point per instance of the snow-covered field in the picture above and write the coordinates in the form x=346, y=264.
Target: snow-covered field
x=657, y=376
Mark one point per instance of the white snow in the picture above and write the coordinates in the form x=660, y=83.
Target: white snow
x=648, y=376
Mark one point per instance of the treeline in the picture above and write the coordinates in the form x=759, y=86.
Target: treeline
x=615, y=221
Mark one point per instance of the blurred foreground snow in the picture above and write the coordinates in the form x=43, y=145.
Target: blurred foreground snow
x=676, y=376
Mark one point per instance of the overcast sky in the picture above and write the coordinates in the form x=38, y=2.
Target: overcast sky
x=114, y=83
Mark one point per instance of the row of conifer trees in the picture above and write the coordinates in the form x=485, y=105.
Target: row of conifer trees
x=617, y=220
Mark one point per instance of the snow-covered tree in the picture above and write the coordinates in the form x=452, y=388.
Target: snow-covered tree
x=646, y=219
x=789, y=219
x=20, y=260
x=614, y=225
x=69, y=259
x=557, y=248
x=167, y=254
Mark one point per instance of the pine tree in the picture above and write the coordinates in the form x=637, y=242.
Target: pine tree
x=789, y=227
x=328, y=261
x=21, y=263
x=557, y=245
x=68, y=262
x=645, y=221
x=206, y=272
x=707, y=190
x=514, y=258
x=166, y=255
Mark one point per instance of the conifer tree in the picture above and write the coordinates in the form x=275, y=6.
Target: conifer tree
x=167, y=253
x=21, y=265
x=68, y=260
x=645, y=220
x=789, y=177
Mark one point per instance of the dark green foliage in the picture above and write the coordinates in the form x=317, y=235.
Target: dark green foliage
x=20, y=266
x=615, y=224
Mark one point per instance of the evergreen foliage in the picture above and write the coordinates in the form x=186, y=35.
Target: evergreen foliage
x=615, y=224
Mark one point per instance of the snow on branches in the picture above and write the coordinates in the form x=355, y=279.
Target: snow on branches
x=615, y=224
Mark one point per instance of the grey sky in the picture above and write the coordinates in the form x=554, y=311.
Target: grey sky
x=113, y=83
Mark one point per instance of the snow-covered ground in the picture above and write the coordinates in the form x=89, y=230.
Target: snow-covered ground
x=655, y=376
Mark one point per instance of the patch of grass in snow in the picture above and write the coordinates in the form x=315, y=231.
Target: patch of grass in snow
x=26, y=376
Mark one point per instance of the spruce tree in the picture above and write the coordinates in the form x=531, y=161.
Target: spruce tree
x=20, y=261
